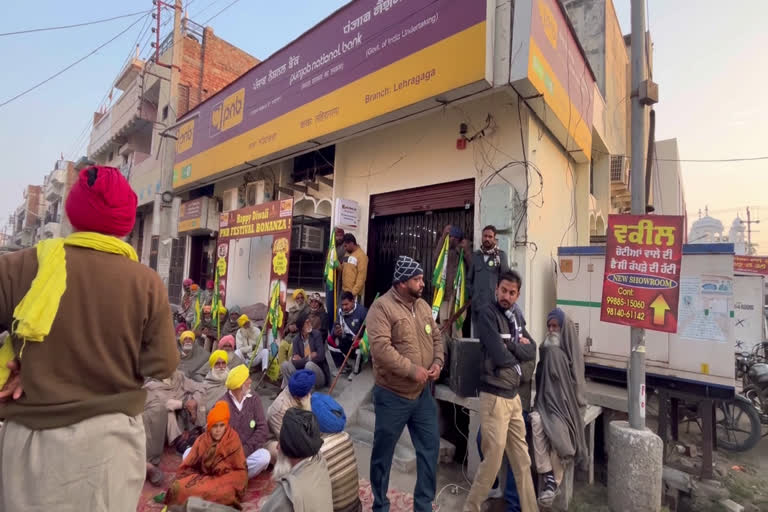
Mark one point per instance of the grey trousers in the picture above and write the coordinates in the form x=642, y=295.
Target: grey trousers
x=96, y=465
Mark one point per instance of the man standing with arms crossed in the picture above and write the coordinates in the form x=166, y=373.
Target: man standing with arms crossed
x=407, y=351
x=88, y=324
x=506, y=347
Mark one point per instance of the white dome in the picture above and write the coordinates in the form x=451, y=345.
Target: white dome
x=707, y=223
x=738, y=225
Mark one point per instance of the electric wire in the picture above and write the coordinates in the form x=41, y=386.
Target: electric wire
x=62, y=27
x=70, y=66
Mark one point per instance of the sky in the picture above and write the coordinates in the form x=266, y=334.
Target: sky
x=708, y=59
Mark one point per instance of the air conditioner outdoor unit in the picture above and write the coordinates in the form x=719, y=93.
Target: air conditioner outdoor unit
x=230, y=201
x=620, y=169
x=307, y=238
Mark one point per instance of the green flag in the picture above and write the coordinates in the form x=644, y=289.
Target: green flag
x=438, y=279
x=460, y=286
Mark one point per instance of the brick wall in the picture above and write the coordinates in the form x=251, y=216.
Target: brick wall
x=209, y=67
x=34, y=193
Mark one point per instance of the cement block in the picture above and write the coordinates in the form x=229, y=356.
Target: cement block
x=634, y=469
x=366, y=418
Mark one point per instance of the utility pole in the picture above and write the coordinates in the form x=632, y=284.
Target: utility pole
x=635, y=466
x=749, y=230
x=166, y=206
x=637, y=188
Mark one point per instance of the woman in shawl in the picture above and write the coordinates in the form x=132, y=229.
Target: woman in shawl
x=557, y=423
x=215, y=469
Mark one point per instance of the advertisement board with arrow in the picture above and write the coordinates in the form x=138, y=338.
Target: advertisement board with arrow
x=641, y=284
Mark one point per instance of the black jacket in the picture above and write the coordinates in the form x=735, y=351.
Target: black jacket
x=483, y=277
x=506, y=363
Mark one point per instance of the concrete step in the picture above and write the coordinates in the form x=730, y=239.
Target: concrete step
x=366, y=418
x=404, y=459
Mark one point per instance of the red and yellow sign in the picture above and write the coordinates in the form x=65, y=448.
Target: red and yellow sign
x=264, y=219
x=641, y=286
x=751, y=265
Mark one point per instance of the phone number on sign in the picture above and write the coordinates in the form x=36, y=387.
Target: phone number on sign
x=621, y=301
x=625, y=313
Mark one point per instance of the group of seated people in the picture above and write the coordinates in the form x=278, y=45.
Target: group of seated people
x=226, y=439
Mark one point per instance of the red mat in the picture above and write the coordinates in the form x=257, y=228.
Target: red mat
x=258, y=488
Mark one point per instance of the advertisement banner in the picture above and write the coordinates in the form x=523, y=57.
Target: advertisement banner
x=641, y=284
x=369, y=58
x=750, y=265
x=266, y=219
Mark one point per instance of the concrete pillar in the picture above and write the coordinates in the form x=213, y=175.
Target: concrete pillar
x=634, y=469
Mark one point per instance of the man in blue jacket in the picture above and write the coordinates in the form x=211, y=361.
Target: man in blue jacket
x=351, y=317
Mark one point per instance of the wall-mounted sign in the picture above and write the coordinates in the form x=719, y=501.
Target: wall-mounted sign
x=549, y=70
x=259, y=220
x=191, y=214
x=368, y=59
x=750, y=265
x=346, y=214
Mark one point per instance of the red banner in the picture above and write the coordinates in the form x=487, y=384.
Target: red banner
x=751, y=265
x=641, y=285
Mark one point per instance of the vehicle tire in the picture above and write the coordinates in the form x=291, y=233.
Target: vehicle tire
x=737, y=424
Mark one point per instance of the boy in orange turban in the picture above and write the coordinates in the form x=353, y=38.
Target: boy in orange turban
x=215, y=469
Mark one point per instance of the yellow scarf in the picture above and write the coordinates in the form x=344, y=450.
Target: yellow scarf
x=34, y=315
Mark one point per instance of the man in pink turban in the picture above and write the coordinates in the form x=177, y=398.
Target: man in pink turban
x=76, y=422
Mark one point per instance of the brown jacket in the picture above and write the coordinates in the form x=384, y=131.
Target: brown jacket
x=112, y=329
x=402, y=335
x=354, y=270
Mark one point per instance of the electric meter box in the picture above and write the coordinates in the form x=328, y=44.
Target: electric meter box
x=699, y=358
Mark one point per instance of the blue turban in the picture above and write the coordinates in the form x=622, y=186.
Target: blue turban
x=559, y=315
x=330, y=415
x=301, y=382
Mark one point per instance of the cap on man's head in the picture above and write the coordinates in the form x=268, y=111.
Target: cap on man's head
x=405, y=269
x=216, y=355
x=227, y=341
x=297, y=292
x=243, y=320
x=456, y=232
x=301, y=383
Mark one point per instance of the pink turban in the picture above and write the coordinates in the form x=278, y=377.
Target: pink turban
x=103, y=201
x=227, y=340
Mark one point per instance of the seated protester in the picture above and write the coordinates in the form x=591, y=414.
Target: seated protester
x=230, y=326
x=301, y=475
x=351, y=317
x=214, y=384
x=329, y=413
x=227, y=344
x=299, y=307
x=215, y=467
x=308, y=353
x=206, y=297
x=206, y=322
x=556, y=421
x=298, y=394
x=318, y=315
x=247, y=419
x=192, y=357
x=170, y=410
x=248, y=341
x=221, y=318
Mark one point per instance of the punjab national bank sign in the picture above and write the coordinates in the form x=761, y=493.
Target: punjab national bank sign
x=368, y=59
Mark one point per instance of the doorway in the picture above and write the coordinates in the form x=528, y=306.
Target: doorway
x=410, y=222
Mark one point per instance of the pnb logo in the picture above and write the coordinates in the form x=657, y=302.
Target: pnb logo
x=228, y=113
x=185, y=137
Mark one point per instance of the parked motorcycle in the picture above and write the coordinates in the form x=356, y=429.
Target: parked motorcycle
x=739, y=421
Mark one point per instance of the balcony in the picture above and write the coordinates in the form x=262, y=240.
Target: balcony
x=54, y=189
x=52, y=230
x=145, y=178
x=131, y=113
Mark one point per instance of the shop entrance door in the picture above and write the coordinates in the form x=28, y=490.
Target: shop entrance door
x=410, y=222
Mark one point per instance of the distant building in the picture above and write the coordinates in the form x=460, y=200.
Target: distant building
x=709, y=230
x=55, y=189
x=28, y=216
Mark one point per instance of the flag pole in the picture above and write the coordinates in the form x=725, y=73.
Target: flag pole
x=355, y=343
